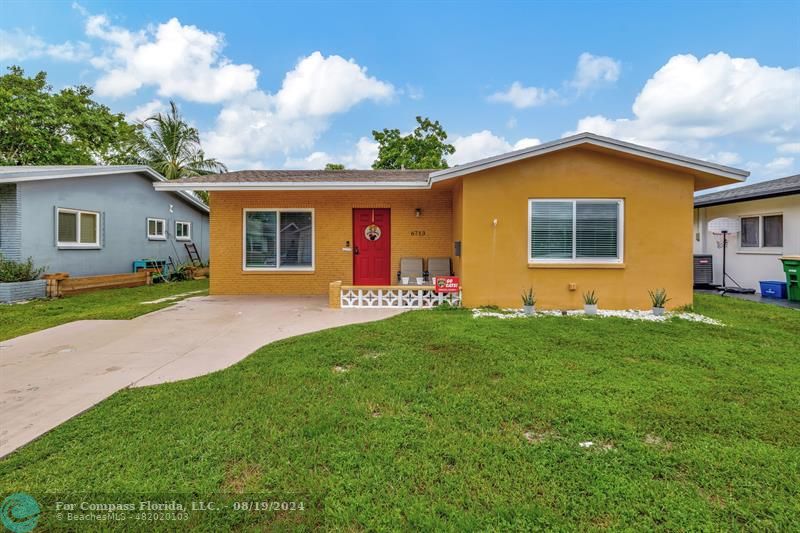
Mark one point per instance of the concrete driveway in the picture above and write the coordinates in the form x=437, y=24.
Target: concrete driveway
x=50, y=376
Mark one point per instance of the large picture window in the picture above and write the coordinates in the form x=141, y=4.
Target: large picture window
x=78, y=229
x=278, y=239
x=581, y=231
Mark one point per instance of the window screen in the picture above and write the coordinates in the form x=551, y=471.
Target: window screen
x=749, y=235
x=773, y=230
x=88, y=228
x=67, y=227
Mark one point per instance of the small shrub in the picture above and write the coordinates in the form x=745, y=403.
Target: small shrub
x=183, y=272
x=11, y=271
x=590, y=298
x=658, y=297
x=528, y=297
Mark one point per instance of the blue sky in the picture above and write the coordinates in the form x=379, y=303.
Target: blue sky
x=302, y=84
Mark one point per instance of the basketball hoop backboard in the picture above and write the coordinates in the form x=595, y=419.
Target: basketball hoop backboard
x=723, y=225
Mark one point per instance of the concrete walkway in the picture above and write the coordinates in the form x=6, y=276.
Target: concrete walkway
x=50, y=376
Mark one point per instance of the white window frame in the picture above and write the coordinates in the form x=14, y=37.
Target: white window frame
x=78, y=213
x=278, y=267
x=760, y=247
x=188, y=236
x=157, y=237
x=583, y=260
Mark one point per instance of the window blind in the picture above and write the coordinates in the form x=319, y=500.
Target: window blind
x=551, y=230
x=596, y=225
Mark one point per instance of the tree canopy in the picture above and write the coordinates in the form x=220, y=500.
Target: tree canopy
x=171, y=147
x=41, y=127
x=334, y=166
x=424, y=148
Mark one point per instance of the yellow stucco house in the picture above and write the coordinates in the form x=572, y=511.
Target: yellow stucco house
x=581, y=213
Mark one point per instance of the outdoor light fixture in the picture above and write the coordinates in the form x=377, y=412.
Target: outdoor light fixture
x=418, y=212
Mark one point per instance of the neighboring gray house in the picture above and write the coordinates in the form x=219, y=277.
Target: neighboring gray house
x=89, y=220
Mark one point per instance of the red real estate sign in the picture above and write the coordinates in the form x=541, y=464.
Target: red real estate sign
x=446, y=284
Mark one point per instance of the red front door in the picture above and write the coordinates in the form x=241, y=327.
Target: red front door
x=372, y=251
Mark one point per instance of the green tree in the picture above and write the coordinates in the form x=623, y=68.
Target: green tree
x=334, y=166
x=425, y=148
x=42, y=127
x=171, y=147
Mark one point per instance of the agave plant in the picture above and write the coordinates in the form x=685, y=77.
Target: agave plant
x=659, y=298
x=590, y=298
x=528, y=297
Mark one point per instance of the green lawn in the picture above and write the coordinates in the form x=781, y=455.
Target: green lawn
x=696, y=427
x=19, y=319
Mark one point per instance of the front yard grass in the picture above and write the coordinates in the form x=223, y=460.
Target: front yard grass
x=19, y=319
x=435, y=420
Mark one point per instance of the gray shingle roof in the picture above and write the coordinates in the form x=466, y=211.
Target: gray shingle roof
x=15, y=174
x=764, y=189
x=311, y=176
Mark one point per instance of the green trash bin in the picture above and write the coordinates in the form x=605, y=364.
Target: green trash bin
x=791, y=266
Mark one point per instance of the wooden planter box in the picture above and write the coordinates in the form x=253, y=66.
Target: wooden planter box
x=60, y=284
x=23, y=290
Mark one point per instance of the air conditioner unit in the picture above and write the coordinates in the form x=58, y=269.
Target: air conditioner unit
x=703, y=271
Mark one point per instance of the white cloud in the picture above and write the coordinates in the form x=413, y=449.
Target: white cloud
x=690, y=101
x=789, y=148
x=414, y=92
x=321, y=86
x=595, y=70
x=523, y=97
x=17, y=45
x=146, y=110
x=778, y=167
x=526, y=142
x=725, y=158
x=364, y=153
x=484, y=144
x=312, y=93
x=179, y=60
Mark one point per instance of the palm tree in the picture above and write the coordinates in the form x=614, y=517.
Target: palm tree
x=172, y=147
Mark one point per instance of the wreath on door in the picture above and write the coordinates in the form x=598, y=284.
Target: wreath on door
x=372, y=232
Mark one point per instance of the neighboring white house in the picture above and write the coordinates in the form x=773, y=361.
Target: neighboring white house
x=769, y=227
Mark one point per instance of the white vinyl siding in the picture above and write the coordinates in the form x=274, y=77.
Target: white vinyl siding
x=278, y=239
x=572, y=230
x=77, y=229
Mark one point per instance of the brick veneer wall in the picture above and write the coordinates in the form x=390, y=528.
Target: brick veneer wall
x=333, y=221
